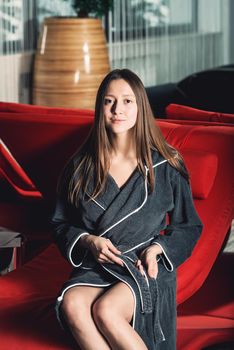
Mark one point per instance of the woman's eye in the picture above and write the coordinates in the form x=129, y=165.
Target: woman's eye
x=107, y=101
x=128, y=101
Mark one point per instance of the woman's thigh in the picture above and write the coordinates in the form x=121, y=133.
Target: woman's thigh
x=119, y=300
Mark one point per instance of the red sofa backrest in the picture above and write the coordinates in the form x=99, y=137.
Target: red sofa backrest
x=42, y=144
x=12, y=107
x=30, y=133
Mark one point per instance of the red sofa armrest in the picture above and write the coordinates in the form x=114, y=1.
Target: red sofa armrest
x=14, y=174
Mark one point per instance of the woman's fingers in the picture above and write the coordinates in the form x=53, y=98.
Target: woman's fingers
x=149, y=258
x=112, y=257
x=140, y=267
x=103, y=259
x=152, y=266
x=110, y=252
x=105, y=252
x=112, y=248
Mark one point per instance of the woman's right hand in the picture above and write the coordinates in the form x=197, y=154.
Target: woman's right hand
x=102, y=249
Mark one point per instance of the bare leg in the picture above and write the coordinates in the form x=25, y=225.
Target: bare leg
x=76, y=308
x=112, y=313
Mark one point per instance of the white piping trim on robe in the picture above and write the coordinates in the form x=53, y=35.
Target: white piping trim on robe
x=163, y=161
x=138, y=245
x=95, y=201
x=72, y=246
x=163, y=258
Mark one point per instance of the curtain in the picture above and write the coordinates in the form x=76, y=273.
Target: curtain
x=166, y=40
x=17, y=44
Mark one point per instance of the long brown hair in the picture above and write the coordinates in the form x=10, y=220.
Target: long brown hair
x=95, y=152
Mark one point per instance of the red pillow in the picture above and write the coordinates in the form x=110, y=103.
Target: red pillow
x=202, y=167
x=180, y=112
x=174, y=111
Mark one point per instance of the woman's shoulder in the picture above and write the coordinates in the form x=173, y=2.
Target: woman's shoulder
x=159, y=160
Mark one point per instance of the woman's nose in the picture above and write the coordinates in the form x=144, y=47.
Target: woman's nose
x=117, y=107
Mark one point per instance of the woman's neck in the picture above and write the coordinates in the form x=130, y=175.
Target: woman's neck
x=123, y=146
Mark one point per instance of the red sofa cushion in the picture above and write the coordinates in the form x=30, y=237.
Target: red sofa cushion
x=207, y=317
x=27, y=297
x=180, y=112
x=202, y=167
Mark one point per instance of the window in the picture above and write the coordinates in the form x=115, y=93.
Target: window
x=17, y=22
x=134, y=19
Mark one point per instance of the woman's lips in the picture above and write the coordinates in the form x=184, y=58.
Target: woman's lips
x=118, y=120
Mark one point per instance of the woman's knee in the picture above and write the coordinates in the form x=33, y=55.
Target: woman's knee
x=104, y=314
x=75, y=306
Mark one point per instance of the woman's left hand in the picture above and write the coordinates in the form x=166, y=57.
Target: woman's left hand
x=148, y=259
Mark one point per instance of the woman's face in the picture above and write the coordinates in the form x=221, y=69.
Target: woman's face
x=120, y=107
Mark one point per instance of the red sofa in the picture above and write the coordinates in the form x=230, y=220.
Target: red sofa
x=41, y=143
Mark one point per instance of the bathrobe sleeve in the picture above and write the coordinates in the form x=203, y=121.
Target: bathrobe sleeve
x=67, y=226
x=184, y=228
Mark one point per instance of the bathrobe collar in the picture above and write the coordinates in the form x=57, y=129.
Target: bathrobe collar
x=120, y=203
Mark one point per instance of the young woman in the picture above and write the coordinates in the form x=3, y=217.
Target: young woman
x=113, y=200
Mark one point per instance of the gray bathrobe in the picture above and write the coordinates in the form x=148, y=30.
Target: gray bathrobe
x=132, y=218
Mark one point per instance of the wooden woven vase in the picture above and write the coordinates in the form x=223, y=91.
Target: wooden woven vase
x=70, y=62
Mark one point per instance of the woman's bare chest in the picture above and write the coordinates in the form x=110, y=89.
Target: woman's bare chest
x=122, y=171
